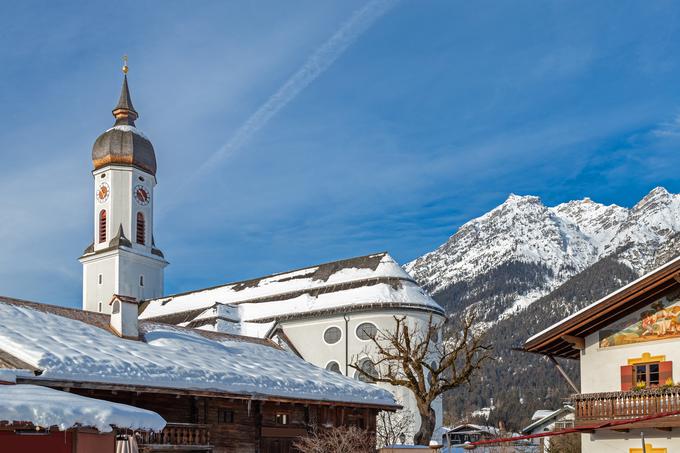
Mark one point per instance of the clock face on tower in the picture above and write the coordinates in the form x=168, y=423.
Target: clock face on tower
x=103, y=192
x=142, y=195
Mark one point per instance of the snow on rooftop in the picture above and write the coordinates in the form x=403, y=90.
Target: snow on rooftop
x=598, y=302
x=542, y=413
x=46, y=407
x=171, y=357
x=128, y=128
x=248, y=300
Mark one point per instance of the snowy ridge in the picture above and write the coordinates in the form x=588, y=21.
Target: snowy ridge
x=565, y=239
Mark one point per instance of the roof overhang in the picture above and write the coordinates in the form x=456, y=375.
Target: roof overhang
x=565, y=339
x=59, y=384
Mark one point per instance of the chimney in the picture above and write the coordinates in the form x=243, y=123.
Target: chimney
x=124, y=313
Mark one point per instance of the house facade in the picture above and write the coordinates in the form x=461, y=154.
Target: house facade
x=628, y=346
x=547, y=420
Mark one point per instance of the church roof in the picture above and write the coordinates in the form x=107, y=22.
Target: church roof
x=252, y=306
x=64, y=345
x=124, y=144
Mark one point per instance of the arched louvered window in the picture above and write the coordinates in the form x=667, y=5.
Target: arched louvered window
x=141, y=229
x=102, y=226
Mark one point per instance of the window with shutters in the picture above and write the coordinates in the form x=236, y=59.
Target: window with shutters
x=141, y=231
x=647, y=373
x=651, y=374
x=102, y=226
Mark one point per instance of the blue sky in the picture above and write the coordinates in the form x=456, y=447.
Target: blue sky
x=419, y=116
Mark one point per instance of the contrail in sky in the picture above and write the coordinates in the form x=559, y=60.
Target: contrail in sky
x=316, y=64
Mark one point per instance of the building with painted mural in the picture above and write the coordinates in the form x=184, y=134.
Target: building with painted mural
x=628, y=346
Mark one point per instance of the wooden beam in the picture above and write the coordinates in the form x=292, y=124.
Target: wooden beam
x=564, y=374
x=576, y=342
x=665, y=428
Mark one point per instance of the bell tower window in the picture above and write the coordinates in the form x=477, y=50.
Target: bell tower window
x=141, y=236
x=102, y=226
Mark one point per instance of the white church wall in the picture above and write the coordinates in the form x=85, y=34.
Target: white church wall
x=139, y=276
x=99, y=282
x=308, y=338
x=136, y=272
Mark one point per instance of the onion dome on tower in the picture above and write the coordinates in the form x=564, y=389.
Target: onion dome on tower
x=123, y=144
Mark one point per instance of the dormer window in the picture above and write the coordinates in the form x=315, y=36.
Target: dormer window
x=646, y=371
x=141, y=236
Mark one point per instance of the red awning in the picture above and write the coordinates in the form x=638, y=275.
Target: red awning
x=580, y=429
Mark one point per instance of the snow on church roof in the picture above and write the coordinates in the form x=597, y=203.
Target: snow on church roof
x=372, y=280
x=45, y=407
x=72, y=345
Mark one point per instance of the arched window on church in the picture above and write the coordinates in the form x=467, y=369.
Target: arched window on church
x=102, y=226
x=140, y=229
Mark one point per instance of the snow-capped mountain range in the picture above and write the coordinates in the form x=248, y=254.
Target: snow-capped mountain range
x=562, y=240
x=525, y=266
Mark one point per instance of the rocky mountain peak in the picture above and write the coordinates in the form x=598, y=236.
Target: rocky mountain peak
x=523, y=266
x=564, y=239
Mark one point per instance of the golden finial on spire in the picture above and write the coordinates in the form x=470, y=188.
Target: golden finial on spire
x=125, y=66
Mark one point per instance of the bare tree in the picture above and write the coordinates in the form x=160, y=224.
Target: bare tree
x=337, y=440
x=412, y=357
x=390, y=425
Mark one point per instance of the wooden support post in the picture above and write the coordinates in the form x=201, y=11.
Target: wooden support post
x=564, y=374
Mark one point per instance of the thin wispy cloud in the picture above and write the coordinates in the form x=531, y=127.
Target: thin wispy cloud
x=317, y=63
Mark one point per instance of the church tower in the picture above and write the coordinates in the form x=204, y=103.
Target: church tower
x=123, y=258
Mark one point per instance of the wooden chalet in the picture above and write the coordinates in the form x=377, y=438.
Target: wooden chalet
x=218, y=392
x=628, y=345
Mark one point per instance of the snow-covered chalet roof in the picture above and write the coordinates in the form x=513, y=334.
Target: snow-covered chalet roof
x=70, y=345
x=45, y=407
x=251, y=307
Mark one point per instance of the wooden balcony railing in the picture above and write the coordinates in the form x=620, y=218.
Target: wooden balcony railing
x=626, y=405
x=177, y=436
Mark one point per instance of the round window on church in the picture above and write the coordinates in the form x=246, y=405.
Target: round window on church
x=367, y=331
x=367, y=367
x=333, y=366
x=332, y=335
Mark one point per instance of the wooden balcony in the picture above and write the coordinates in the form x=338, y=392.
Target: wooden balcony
x=177, y=437
x=628, y=405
